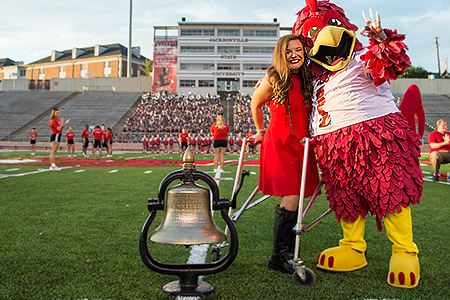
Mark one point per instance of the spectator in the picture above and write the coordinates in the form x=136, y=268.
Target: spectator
x=70, y=135
x=33, y=137
x=439, y=141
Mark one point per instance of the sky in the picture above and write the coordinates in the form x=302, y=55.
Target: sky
x=31, y=29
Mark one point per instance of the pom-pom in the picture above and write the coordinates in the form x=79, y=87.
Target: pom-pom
x=387, y=60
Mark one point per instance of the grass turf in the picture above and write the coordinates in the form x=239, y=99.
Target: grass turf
x=74, y=235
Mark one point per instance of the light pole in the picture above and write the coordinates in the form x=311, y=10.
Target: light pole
x=438, y=59
x=129, y=42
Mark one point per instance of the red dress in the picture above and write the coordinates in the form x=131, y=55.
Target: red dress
x=282, y=154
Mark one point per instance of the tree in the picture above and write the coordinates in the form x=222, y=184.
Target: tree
x=415, y=72
x=148, y=67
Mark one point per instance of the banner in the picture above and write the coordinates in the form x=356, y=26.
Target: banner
x=165, y=66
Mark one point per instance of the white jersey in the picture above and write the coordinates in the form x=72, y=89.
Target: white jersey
x=349, y=97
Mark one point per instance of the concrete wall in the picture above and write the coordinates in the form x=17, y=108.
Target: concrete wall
x=14, y=85
x=102, y=84
x=144, y=84
x=426, y=86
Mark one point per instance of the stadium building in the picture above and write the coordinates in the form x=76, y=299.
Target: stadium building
x=212, y=57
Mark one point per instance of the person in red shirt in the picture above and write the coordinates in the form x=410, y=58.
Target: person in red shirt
x=158, y=142
x=97, y=135
x=152, y=143
x=33, y=136
x=239, y=142
x=439, y=141
x=183, y=140
x=56, y=126
x=85, y=137
x=192, y=142
x=171, y=142
x=70, y=135
x=104, y=134
x=166, y=143
x=109, y=141
x=231, y=143
x=144, y=144
x=250, y=143
x=219, y=131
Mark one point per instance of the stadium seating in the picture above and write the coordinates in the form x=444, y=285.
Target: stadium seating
x=20, y=108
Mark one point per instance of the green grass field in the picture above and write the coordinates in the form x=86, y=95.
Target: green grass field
x=74, y=234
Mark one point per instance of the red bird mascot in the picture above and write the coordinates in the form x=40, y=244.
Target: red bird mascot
x=367, y=151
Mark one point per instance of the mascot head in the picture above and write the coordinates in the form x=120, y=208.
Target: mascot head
x=329, y=36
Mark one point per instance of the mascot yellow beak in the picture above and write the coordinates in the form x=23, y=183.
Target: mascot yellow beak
x=333, y=48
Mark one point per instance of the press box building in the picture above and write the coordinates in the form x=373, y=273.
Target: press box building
x=220, y=58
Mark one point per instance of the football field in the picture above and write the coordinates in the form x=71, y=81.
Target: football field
x=74, y=234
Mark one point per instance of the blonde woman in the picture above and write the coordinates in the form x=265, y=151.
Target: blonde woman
x=56, y=126
x=220, y=131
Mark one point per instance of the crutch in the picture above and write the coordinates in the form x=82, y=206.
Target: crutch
x=302, y=274
x=238, y=181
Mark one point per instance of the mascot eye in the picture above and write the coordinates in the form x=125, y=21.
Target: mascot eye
x=334, y=22
x=313, y=31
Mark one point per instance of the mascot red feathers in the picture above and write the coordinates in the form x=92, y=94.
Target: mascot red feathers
x=366, y=150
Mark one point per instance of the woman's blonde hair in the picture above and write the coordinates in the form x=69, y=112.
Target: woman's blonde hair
x=219, y=120
x=52, y=116
x=280, y=73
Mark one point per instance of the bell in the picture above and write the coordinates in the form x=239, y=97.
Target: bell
x=188, y=216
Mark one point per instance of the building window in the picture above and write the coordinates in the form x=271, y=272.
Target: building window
x=187, y=83
x=197, y=49
x=248, y=32
x=84, y=67
x=22, y=73
x=258, y=67
x=258, y=50
x=206, y=83
x=228, y=67
x=196, y=67
x=249, y=83
x=229, y=50
x=62, y=69
x=197, y=32
x=228, y=32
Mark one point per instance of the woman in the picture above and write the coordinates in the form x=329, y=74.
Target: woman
x=219, y=131
x=33, y=136
x=109, y=141
x=70, y=136
x=144, y=144
x=287, y=89
x=56, y=126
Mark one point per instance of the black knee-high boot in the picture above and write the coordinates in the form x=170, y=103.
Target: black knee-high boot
x=282, y=235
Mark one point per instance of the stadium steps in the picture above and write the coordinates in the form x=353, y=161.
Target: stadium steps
x=18, y=108
x=26, y=129
x=89, y=108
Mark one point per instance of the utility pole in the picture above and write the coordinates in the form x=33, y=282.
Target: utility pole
x=129, y=43
x=438, y=59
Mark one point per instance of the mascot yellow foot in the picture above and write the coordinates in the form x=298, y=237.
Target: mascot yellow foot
x=404, y=268
x=349, y=255
x=341, y=259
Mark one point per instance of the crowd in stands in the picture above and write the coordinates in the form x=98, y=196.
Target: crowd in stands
x=165, y=112
x=170, y=113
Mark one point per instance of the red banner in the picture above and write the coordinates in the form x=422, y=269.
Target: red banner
x=165, y=66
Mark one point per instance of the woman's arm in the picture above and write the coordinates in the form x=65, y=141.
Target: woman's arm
x=262, y=95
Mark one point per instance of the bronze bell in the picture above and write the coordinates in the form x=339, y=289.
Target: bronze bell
x=188, y=216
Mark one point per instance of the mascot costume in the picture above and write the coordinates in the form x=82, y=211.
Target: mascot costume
x=367, y=151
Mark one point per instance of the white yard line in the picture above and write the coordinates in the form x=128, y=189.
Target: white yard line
x=29, y=173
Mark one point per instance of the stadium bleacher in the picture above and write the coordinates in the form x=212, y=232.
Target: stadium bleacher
x=17, y=109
